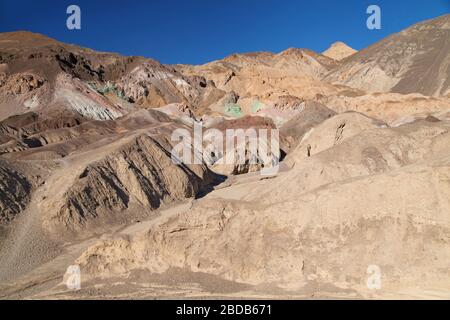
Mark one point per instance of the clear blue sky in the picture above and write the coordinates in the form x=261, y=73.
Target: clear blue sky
x=197, y=31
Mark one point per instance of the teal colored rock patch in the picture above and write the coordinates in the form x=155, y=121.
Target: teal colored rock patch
x=109, y=88
x=233, y=110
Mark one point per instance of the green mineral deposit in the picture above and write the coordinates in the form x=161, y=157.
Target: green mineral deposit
x=233, y=109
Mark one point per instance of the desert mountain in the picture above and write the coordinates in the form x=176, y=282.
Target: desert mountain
x=415, y=60
x=40, y=74
x=402, y=75
x=87, y=176
x=339, y=51
x=267, y=76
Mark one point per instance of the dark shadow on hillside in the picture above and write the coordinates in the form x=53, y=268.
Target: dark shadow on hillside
x=214, y=180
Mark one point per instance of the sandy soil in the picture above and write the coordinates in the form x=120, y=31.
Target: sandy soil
x=42, y=276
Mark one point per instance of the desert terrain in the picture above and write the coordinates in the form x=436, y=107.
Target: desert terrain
x=87, y=176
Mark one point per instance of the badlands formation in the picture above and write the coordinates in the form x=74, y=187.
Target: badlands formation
x=87, y=178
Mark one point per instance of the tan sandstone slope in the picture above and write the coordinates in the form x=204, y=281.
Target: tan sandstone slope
x=379, y=198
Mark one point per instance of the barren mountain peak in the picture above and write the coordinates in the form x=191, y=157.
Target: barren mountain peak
x=339, y=50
